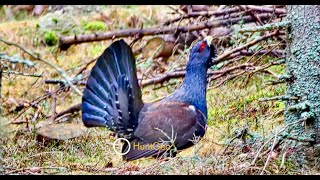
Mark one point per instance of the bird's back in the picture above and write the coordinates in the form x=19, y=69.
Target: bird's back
x=167, y=124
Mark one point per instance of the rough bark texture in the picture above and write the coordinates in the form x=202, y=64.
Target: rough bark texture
x=0, y=85
x=303, y=72
x=1, y=126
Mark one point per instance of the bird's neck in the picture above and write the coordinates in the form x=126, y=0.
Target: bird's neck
x=193, y=89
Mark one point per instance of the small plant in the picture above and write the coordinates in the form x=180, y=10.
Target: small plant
x=50, y=38
x=95, y=26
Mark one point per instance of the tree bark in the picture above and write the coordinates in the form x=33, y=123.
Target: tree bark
x=303, y=81
x=1, y=126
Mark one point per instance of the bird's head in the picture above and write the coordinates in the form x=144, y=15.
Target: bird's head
x=203, y=52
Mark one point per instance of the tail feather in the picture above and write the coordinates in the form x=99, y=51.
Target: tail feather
x=112, y=96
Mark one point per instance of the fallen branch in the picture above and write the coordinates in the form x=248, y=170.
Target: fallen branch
x=202, y=13
x=15, y=59
x=76, y=80
x=22, y=74
x=35, y=102
x=36, y=114
x=85, y=67
x=176, y=10
x=277, y=53
x=53, y=105
x=264, y=67
x=54, y=81
x=279, y=98
x=227, y=79
x=267, y=27
x=267, y=9
x=66, y=41
x=226, y=12
x=271, y=150
x=163, y=78
x=251, y=43
x=244, y=8
x=26, y=91
x=71, y=110
x=32, y=169
x=179, y=74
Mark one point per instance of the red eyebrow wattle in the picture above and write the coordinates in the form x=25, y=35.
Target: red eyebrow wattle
x=202, y=46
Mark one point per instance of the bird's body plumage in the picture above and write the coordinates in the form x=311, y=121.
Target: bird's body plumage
x=170, y=123
x=112, y=98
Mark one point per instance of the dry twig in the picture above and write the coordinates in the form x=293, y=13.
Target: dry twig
x=37, y=57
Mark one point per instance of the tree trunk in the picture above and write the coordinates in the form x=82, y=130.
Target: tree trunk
x=303, y=81
x=1, y=126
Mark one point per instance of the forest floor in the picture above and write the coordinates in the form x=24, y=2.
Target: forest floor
x=231, y=106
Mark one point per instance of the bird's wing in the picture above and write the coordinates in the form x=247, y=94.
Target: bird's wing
x=174, y=123
x=112, y=96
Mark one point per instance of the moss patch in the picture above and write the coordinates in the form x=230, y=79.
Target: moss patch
x=95, y=26
x=50, y=38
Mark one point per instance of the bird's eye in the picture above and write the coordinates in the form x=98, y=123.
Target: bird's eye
x=202, y=46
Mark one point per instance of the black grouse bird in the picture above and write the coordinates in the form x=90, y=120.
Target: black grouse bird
x=112, y=99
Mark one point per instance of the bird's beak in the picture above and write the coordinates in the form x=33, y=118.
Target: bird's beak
x=213, y=49
x=209, y=40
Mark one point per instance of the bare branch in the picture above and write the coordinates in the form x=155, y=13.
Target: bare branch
x=15, y=59
x=72, y=109
x=267, y=27
x=251, y=43
x=271, y=150
x=37, y=57
x=22, y=74
x=53, y=105
x=226, y=12
x=66, y=41
x=279, y=98
x=267, y=9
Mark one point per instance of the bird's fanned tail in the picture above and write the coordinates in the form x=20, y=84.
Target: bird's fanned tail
x=112, y=96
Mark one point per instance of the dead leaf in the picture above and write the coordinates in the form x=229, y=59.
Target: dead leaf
x=35, y=169
x=153, y=47
x=62, y=131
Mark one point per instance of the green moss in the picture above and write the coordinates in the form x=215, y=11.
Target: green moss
x=55, y=20
x=21, y=15
x=303, y=64
x=131, y=6
x=95, y=26
x=50, y=38
x=240, y=106
x=96, y=50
